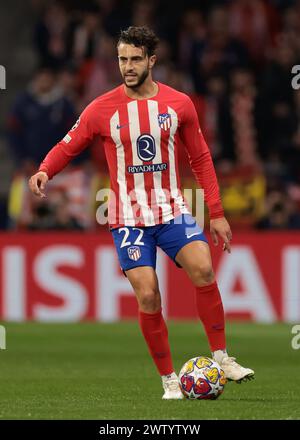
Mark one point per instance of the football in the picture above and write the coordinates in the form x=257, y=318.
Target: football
x=202, y=378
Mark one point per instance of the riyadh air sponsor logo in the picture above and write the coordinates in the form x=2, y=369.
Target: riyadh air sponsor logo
x=146, y=149
x=147, y=168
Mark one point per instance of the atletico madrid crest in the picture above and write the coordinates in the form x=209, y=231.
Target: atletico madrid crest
x=134, y=253
x=164, y=121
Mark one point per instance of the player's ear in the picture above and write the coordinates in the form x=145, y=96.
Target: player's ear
x=152, y=61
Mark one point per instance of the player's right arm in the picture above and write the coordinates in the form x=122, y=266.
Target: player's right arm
x=76, y=140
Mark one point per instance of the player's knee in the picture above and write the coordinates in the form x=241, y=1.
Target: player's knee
x=203, y=275
x=149, y=300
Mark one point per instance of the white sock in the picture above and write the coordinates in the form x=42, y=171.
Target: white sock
x=169, y=376
x=219, y=355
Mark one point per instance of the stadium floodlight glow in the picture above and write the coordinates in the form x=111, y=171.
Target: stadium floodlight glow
x=2, y=78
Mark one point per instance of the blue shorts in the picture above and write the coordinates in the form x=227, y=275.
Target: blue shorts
x=136, y=246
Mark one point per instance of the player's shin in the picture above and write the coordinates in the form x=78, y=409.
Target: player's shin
x=155, y=333
x=210, y=311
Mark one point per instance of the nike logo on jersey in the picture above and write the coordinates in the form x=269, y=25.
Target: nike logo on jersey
x=191, y=235
x=121, y=126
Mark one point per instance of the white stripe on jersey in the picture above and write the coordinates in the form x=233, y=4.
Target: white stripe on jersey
x=121, y=178
x=155, y=131
x=173, y=178
x=139, y=181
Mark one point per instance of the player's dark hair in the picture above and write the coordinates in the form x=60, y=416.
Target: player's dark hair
x=140, y=36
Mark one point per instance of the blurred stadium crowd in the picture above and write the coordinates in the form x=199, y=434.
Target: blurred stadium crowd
x=234, y=58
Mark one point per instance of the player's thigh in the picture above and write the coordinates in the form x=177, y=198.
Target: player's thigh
x=195, y=259
x=144, y=282
x=135, y=247
x=181, y=231
x=143, y=279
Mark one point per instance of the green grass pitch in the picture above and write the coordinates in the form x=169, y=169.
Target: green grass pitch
x=103, y=371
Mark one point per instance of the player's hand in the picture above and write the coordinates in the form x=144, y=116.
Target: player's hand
x=37, y=183
x=220, y=227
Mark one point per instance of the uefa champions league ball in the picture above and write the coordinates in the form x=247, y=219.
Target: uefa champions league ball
x=202, y=378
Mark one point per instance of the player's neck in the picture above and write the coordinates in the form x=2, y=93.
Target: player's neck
x=148, y=89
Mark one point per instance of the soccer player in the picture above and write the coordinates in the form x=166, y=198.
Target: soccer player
x=140, y=122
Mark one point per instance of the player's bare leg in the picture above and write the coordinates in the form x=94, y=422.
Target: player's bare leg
x=145, y=284
x=195, y=259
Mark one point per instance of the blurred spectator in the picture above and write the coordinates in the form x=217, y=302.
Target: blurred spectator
x=100, y=74
x=70, y=201
x=208, y=110
x=86, y=35
x=40, y=117
x=67, y=78
x=115, y=15
x=292, y=154
x=167, y=72
x=239, y=120
x=253, y=22
x=164, y=62
x=218, y=53
x=243, y=190
x=50, y=35
x=144, y=13
x=55, y=214
x=281, y=213
x=291, y=27
x=192, y=31
x=277, y=98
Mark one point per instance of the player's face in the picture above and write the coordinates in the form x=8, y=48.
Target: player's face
x=134, y=64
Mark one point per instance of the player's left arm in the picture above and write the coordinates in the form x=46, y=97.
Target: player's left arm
x=202, y=166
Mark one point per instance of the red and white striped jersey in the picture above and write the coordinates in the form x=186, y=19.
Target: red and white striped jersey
x=140, y=138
